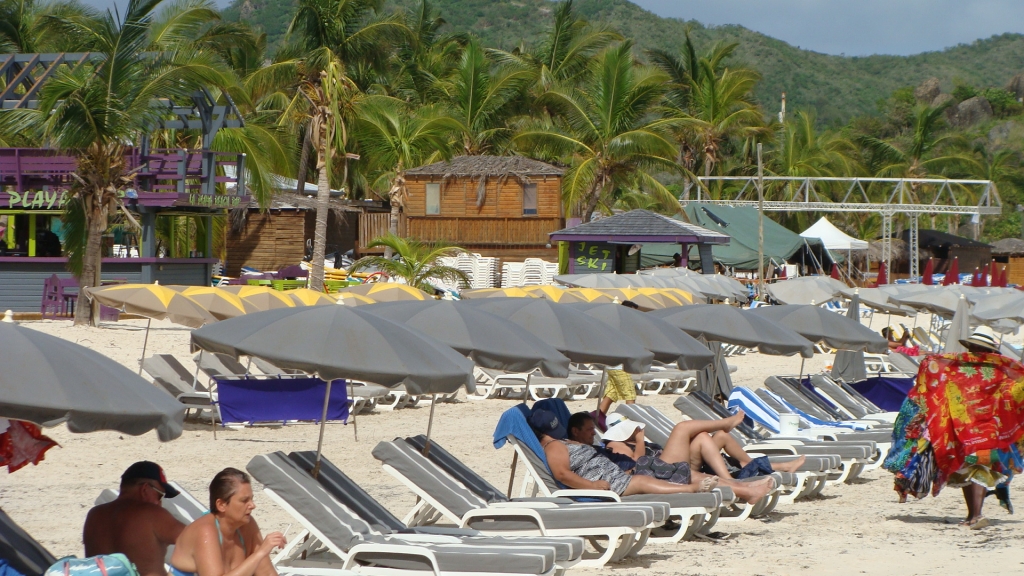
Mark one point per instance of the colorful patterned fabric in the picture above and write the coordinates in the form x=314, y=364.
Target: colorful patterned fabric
x=962, y=422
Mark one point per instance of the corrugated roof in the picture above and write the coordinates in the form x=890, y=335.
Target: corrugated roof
x=1008, y=246
x=636, y=223
x=469, y=166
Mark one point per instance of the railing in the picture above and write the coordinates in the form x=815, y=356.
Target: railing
x=167, y=170
x=526, y=231
x=373, y=225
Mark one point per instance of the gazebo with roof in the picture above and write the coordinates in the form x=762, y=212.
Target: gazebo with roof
x=614, y=243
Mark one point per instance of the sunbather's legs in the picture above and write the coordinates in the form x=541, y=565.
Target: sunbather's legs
x=649, y=485
x=606, y=404
x=704, y=450
x=726, y=442
x=677, y=449
x=749, y=492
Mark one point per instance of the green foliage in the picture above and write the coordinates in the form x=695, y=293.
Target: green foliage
x=415, y=262
x=964, y=92
x=836, y=88
x=1004, y=103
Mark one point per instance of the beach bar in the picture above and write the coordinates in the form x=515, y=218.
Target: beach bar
x=613, y=244
x=173, y=183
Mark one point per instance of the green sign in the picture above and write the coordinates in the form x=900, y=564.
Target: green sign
x=210, y=201
x=590, y=257
x=38, y=199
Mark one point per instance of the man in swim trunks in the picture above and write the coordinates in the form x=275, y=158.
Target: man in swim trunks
x=135, y=524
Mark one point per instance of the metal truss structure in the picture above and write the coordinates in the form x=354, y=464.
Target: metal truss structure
x=910, y=196
x=25, y=74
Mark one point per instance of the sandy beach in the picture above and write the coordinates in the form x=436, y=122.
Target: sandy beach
x=856, y=528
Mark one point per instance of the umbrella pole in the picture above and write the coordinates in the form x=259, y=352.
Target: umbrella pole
x=430, y=423
x=526, y=392
x=323, y=426
x=195, y=376
x=800, y=379
x=145, y=342
x=602, y=387
x=355, y=429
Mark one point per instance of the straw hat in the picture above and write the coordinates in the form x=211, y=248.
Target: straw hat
x=620, y=428
x=983, y=337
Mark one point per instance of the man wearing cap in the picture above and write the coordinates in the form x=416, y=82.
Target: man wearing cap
x=135, y=524
x=962, y=425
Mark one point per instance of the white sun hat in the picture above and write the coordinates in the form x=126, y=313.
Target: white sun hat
x=620, y=428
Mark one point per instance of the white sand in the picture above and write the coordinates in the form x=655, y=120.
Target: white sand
x=851, y=529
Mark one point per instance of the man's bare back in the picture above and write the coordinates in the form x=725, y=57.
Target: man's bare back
x=140, y=530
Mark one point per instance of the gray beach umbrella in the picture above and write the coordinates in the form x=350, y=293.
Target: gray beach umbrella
x=722, y=323
x=668, y=343
x=820, y=325
x=801, y=291
x=48, y=380
x=849, y=364
x=878, y=300
x=959, y=328
x=595, y=280
x=1003, y=306
x=489, y=340
x=570, y=331
x=942, y=301
x=341, y=342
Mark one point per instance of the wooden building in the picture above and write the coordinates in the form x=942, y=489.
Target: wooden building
x=1008, y=253
x=494, y=205
x=279, y=236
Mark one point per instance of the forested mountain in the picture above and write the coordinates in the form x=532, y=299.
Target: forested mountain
x=837, y=88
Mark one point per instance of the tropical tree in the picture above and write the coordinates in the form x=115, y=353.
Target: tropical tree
x=30, y=26
x=393, y=139
x=565, y=54
x=481, y=99
x=424, y=58
x=92, y=111
x=608, y=131
x=715, y=103
x=415, y=263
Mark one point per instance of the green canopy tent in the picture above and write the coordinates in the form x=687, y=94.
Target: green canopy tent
x=780, y=243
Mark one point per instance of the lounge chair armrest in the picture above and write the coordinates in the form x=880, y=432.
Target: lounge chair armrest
x=771, y=448
x=602, y=494
x=523, y=504
x=505, y=514
x=886, y=417
x=542, y=499
x=406, y=550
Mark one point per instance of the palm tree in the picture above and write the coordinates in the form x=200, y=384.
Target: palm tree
x=30, y=26
x=565, y=54
x=416, y=263
x=928, y=152
x=715, y=102
x=92, y=111
x=607, y=130
x=394, y=138
x=425, y=58
x=481, y=100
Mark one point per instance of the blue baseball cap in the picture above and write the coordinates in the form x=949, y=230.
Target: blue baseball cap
x=546, y=422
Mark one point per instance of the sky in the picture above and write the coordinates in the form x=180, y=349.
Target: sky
x=857, y=27
x=850, y=27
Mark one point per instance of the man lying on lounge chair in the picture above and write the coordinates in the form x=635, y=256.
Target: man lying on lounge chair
x=579, y=465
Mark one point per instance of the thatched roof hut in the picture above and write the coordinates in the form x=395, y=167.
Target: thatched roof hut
x=1008, y=247
x=477, y=166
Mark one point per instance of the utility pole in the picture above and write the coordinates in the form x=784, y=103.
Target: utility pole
x=760, y=222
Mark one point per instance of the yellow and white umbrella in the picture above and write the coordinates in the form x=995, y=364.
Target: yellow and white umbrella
x=220, y=303
x=262, y=297
x=348, y=299
x=154, y=302
x=497, y=293
x=307, y=297
x=554, y=294
x=387, y=292
x=591, y=295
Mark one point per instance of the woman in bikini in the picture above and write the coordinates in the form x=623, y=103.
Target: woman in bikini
x=226, y=541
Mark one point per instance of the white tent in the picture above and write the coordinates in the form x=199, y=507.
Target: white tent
x=833, y=238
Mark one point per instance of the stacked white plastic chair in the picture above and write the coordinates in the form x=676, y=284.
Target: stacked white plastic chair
x=511, y=274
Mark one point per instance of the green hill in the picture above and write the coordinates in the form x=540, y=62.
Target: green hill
x=837, y=87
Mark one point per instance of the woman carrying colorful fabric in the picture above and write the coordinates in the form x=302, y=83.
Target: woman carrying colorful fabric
x=962, y=425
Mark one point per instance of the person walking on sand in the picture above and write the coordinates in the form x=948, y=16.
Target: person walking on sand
x=227, y=541
x=962, y=425
x=135, y=524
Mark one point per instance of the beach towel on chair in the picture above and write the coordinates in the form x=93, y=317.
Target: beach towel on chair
x=103, y=565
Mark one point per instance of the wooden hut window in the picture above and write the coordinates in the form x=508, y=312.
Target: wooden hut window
x=529, y=199
x=433, y=198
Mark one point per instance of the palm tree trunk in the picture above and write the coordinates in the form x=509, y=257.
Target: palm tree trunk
x=300, y=186
x=323, y=207
x=593, y=198
x=393, y=222
x=91, y=265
